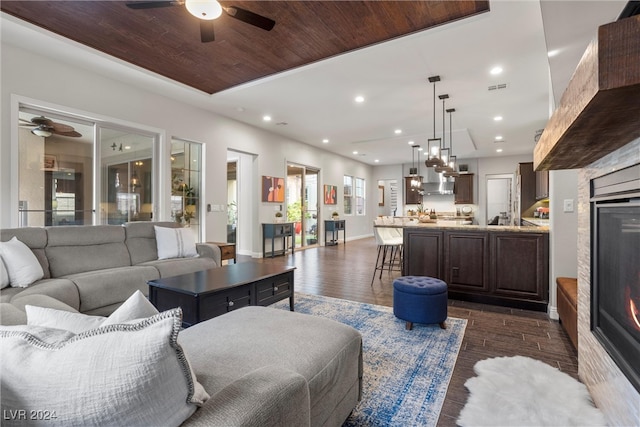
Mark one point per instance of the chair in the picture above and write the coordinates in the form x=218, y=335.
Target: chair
x=390, y=244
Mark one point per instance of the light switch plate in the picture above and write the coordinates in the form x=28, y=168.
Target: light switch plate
x=568, y=205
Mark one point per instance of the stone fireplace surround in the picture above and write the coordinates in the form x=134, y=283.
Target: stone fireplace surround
x=610, y=389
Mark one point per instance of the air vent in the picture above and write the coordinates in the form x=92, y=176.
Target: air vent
x=282, y=124
x=496, y=87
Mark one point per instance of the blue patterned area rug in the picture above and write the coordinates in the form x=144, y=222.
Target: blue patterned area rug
x=406, y=373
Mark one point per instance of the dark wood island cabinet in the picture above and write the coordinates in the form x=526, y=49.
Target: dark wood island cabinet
x=506, y=266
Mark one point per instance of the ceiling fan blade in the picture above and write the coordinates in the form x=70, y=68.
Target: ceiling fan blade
x=206, y=31
x=73, y=133
x=250, y=17
x=60, y=128
x=152, y=4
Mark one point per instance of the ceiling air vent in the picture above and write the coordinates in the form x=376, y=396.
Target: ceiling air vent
x=496, y=87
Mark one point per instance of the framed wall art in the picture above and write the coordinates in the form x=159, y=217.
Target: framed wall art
x=272, y=189
x=330, y=194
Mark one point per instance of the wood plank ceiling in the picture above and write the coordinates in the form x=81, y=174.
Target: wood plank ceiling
x=166, y=40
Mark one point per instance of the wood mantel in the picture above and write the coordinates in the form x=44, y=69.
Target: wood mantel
x=600, y=110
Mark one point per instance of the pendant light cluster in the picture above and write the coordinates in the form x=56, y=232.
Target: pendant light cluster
x=440, y=157
x=416, y=179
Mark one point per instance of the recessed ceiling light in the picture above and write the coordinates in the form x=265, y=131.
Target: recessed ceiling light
x=497, y=118
x=498, y=138
x=499, y=150
x=411, y=142
x=359, y=99
x=496, y=70
x=377, y=161
x=355, y=152
x=553, y=52
x=127, y=147
x=397, y=131
x=325, y=141
x=266, y=118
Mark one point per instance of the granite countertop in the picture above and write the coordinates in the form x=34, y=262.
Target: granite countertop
x=490, y=228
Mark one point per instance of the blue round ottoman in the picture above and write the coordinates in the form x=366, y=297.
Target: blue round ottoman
x=420, y=299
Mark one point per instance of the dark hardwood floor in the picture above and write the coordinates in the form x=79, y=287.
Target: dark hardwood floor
x=345, y=271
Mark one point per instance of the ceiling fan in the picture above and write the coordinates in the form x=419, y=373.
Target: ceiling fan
x=207, y=11
x=46, y=127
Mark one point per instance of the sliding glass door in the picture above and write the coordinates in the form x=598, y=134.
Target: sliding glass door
x=302, y=203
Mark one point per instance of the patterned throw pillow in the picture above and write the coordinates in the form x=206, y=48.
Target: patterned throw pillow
x=132, y=374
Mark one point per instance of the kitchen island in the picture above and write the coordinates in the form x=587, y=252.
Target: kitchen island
x=501, y=265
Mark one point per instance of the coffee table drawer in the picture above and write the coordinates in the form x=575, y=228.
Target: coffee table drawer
x=274, y=289
x=223, y=302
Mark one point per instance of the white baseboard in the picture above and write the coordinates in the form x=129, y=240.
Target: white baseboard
x=553, y=312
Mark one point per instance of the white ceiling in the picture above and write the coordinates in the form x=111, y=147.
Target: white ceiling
x=317, y=101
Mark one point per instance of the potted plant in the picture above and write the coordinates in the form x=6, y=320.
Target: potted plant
x=278, y=216
x=335, y=215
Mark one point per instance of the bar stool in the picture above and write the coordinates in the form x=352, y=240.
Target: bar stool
x=390, y=244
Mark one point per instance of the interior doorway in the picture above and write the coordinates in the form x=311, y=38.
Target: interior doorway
x=302, y=203
x=232, y=200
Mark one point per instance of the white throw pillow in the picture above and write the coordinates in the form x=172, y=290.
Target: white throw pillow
x=137, y=306
x=60, y=319
x=175, y=243
x=22, y=265
x=4, y=276
x=128, y=375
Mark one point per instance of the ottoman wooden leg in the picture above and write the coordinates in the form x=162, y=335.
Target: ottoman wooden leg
x=409, y=326
x=443, y=325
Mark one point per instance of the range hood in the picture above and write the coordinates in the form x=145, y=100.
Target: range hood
x=435, y=183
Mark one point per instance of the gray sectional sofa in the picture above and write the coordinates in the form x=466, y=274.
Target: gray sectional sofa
x=261, y=366
x=94, y=269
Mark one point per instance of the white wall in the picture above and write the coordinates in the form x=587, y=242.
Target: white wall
x=54, y=84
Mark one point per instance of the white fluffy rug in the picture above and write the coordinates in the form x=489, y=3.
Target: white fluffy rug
x=520, y=391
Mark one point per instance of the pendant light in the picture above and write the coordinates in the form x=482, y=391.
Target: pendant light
x=444, y=151
x=453, y=160
x=416, y=179
x=433, y=144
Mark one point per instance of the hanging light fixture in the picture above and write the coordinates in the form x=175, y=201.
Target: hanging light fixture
x=443, y=166
x=453, y=160
x=416, y=179
x=433, y=144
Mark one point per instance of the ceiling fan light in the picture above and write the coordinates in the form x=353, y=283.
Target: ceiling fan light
x=41, y=132
x=207, y=10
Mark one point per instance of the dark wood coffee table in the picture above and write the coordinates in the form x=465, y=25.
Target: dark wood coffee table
x=209, y=293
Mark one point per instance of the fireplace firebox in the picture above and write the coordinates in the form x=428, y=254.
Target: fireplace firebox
x=615, y=268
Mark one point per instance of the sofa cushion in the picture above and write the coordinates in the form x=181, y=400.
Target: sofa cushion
x=325, y=352
x=11, y=315
x=134, y=375
x=35, y=238
x=112, y=286
x=22, y=265
x=77, y=249
x=177, y=266
x=62, y=289
x=175, y=243
x=141, y=239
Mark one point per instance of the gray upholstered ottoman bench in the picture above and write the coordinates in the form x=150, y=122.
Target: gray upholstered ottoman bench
x=420, y=299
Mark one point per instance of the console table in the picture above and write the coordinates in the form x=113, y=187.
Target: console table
x=209, y=293
x=274, y=231
x=334, y=226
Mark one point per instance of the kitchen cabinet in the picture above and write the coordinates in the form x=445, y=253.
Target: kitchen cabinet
x=411, y=195
x=466, y=255
x=491, y=266
x=518, y=269
x=463, y=189
x=542, y=185
x=423, y=252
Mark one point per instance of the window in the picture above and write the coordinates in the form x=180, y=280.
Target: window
x=186, y=184
x=360, y=198
x=348, y=195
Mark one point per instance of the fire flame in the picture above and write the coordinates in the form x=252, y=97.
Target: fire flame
x=632, y=309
